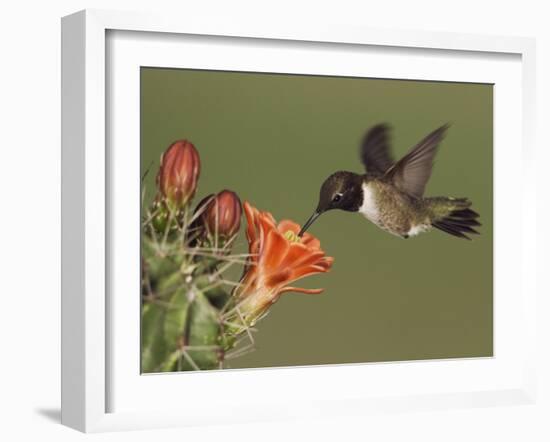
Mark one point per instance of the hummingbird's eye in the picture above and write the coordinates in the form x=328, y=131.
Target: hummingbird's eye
x=337, y=197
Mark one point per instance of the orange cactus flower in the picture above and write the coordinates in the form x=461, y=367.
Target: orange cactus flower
x=278, y=258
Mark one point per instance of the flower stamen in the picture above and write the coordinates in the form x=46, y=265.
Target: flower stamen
x=291, y=236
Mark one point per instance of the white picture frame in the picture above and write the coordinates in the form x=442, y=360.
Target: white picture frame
x=90, y=212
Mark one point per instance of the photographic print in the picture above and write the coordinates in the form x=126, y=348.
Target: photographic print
x=295, y=220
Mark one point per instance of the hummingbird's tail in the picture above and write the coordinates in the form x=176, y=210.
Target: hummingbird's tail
x=453, y=216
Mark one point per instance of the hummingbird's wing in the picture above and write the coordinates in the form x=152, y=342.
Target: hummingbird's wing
x=375, y=150
x=411, y=173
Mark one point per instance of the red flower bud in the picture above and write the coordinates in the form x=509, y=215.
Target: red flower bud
x=179, y=172
x=222, y=214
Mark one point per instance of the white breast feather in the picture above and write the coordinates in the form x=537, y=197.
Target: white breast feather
x=419, y=228
x=369, y=208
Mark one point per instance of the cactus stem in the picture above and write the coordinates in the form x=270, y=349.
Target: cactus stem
x=183, y=303
x=165, y=304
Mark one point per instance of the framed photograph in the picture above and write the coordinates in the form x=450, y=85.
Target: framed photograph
x=263, y=222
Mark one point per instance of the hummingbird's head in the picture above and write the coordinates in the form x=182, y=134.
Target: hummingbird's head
x=341, y=190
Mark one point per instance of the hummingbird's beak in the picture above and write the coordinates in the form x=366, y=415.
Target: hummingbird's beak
x=309, y=222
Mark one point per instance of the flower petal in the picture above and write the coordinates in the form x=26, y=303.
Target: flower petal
x=276, y=248
x=301, y=272
x=277, y=279
x=254, y=250
x=266, y=222
x=302, y=290
x=299, y=254
x=270, y=217
x=248, y=282
x=286, y=225
x=326, y=262
x=250, y=213
x=310, y=241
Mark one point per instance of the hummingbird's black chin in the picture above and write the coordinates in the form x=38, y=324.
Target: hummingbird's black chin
x=309, y=222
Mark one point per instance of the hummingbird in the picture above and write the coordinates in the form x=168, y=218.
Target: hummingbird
x=391, y=193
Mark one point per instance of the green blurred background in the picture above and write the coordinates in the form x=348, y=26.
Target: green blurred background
x=273, y=139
